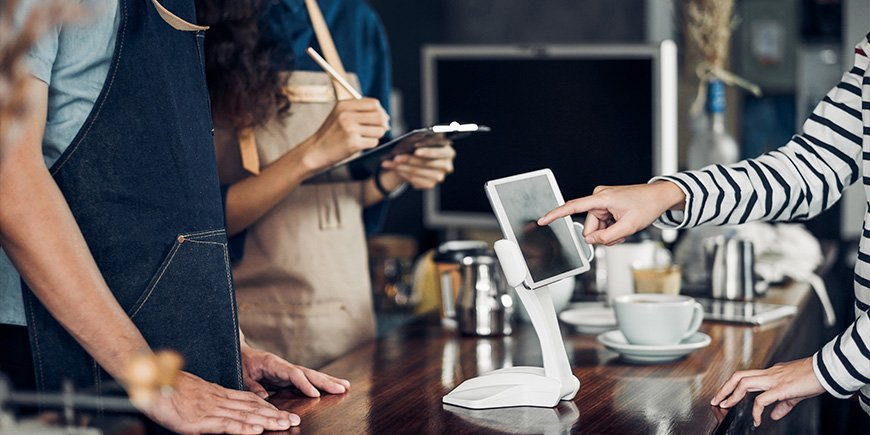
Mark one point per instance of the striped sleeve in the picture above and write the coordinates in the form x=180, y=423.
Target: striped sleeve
x=843, y=365
x=795, y=182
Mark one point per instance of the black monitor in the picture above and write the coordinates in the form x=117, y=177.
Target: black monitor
x=599, y=114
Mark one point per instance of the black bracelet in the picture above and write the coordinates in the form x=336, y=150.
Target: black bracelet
x=387, y=194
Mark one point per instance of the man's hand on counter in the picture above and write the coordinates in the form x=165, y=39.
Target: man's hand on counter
x=783, y=384
x=262, y=370
x=198, y=406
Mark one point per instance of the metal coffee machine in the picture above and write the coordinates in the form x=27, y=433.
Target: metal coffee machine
x=484, y=307
x=448, y=262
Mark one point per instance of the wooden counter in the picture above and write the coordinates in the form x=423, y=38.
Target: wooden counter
x=398, y=382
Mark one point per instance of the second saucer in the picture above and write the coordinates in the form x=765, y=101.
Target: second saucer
x=615, y=341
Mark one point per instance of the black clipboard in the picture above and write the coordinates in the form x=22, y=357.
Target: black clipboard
x=366, y=164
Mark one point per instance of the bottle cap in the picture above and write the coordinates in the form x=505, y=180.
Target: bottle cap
x=715, y=96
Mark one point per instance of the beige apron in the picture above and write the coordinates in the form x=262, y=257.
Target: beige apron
x=303, y=284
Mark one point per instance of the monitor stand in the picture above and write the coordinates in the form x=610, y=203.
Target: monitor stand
x=523, y=386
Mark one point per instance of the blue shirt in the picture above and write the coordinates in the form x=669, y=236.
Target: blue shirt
x=73, y=59
x=356, y=30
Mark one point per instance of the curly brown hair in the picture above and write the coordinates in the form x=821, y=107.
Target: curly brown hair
x=241, y=80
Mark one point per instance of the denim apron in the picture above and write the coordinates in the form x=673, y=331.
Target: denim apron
x=141, y=180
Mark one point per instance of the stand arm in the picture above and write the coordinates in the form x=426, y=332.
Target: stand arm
x=539, y=305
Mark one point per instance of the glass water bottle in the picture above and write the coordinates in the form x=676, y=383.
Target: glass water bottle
x=710, y=142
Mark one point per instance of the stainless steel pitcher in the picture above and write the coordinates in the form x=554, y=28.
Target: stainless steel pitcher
x=732, y=268
x=484, y=307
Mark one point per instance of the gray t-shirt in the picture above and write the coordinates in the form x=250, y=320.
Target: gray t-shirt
x=73, y=59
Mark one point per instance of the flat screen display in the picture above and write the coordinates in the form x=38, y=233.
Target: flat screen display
x=550, y=250
x=590, y=120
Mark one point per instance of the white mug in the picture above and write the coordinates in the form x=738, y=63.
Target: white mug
x=657, y=319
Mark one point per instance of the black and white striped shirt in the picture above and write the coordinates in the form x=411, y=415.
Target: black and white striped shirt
x=796, y=182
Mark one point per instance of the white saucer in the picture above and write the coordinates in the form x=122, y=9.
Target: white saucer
x=615, y=341
x=589, y=317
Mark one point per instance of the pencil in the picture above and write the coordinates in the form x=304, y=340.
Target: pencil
x=333, y=73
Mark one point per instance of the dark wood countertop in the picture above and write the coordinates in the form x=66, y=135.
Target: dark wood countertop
x=398, y=382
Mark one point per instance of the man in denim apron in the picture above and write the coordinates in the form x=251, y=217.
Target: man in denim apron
x=139, y=179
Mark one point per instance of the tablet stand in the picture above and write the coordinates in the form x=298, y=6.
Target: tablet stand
x=523, y=386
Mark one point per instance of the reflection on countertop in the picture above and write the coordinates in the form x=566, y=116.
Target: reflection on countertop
x=398, y=381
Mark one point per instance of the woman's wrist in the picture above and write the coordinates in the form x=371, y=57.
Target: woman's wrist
x=388, y=180
x=306, y=158
x=388, y=184
x=671, y=195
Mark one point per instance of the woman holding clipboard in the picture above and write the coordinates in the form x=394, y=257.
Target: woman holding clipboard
x=302, y=281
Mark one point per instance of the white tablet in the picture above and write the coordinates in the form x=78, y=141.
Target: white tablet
x=552, y=252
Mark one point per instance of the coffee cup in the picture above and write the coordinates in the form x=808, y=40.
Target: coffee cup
x=657, y=319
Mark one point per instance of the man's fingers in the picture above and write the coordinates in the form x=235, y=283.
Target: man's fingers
x=325, y=382
x=256, y=388
x=268, y=423
x=730, y=384
x=575, y=206
x=225, y=425
x=300, y=381
x=262, y=408
x=246, y=396
x=344, y=382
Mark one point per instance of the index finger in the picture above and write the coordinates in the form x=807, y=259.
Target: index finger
x=574, y=206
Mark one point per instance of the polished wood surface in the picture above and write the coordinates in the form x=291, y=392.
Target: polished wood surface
x=398, y=382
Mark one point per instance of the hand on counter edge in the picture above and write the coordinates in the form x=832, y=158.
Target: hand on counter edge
x=784, y=384
x=262, y=370
x=198, y=406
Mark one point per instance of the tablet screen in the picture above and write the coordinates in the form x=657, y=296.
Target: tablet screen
x=549, y=251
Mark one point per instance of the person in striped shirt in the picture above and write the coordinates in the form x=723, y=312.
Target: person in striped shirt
x=795, y=182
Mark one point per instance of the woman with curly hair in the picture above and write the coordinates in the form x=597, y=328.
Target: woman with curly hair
x=303, y=282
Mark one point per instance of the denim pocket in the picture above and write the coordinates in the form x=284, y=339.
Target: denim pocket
x=189, y=306
x=185, y=245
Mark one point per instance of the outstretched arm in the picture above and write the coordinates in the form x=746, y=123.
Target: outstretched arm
x=797, y=181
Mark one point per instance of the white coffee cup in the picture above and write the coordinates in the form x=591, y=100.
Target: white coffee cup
x=657, y=319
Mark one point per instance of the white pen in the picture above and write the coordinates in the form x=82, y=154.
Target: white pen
x=333, y=73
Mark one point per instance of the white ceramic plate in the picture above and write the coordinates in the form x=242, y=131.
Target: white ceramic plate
x=589, y=317
x=615, y=341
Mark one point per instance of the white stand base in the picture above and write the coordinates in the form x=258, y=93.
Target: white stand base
x=513, y=386
x=524, y=386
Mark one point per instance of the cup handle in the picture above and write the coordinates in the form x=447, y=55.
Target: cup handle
x=697, y=318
